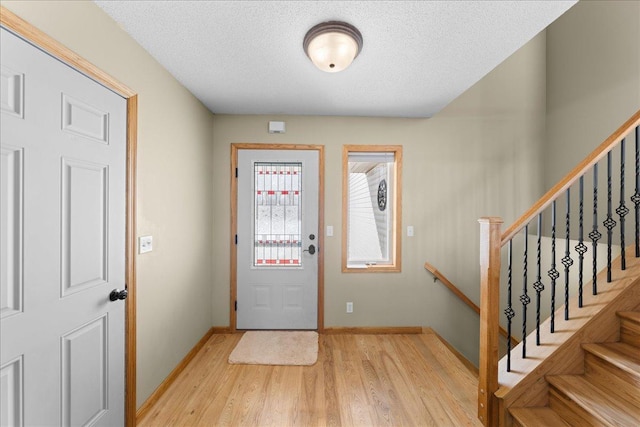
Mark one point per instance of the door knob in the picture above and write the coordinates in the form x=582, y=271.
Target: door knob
x=116, y=294
x=311, y=250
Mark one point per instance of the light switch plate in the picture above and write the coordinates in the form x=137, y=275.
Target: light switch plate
x=145, y=244
x=410, y=231
x=329, y=230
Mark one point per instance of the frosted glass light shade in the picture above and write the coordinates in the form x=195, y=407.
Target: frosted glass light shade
x=332, y=46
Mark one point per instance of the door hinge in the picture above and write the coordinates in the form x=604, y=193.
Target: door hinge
x=236, y=172
x=235, y=306
x=236, y=239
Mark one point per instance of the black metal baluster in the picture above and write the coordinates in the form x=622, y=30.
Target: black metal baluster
x=622, y=210
x=538, y=286
x=553, y=273
x=609, y=223
x=566, y=260
x=524, y=298
x=581, y=248
x=636, y=197
x=509, y=310
x=595, y=235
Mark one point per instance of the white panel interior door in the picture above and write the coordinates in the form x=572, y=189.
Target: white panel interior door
x=277, y=258
x=62, y=247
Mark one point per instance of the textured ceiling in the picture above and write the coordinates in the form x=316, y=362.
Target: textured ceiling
x=246, y=57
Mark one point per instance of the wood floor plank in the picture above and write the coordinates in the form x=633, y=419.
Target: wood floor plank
x=442, y=399
x=404, y=390
x=359, y=380
x=184, y=399
x=251, y=399
x=388, y=396
x=447, y=367
x=332, y=407
x=311, y=399
x=437, y=399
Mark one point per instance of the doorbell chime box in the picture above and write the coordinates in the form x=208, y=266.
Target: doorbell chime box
x=277, y=127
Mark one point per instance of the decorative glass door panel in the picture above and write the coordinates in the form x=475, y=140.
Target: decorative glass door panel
x=277, y=214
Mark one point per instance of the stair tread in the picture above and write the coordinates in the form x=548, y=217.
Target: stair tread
x=634, y=316
x=542, y=416
x=621, y=355
x=600, y=403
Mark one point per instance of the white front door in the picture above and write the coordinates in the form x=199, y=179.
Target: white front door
x=62, y=243
x=277, y=241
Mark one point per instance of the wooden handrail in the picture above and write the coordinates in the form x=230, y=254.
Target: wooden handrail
x=453, y=288
x=457, y=292
x=571, y=177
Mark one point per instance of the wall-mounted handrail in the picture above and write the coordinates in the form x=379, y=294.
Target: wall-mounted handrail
x=437, y=275
x=571, y=178
x=453, y=288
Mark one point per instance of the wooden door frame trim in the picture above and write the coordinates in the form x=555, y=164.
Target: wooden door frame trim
x=235, y=147
x=38, y=38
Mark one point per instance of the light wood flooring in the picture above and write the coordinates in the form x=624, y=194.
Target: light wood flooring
x=359, y=380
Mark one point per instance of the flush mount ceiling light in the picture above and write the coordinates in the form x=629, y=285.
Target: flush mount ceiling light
x=333, y=45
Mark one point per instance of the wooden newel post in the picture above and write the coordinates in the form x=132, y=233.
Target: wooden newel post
x=490, y=244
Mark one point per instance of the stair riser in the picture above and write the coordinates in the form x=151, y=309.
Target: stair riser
x=536, y=417
x=630, y=332
x=618, y=381
x=570, y=411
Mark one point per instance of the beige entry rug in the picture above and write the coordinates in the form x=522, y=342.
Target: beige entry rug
x=298, y=348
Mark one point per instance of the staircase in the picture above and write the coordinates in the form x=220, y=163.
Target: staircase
x=567, y=370
x=606, y=394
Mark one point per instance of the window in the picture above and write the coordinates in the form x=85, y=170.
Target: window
x=371, y=208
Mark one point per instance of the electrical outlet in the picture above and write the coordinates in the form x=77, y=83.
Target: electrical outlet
x=145, y=244
x=349, y=307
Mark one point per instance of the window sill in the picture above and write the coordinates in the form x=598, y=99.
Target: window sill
x=378, y=268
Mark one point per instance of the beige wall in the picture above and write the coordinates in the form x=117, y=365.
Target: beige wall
x=174, y=186
x=478, y=157
x=593, y=79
